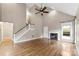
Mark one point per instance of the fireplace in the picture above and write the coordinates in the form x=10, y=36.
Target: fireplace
x=54, y=36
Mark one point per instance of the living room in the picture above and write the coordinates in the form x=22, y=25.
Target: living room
x=28, y=28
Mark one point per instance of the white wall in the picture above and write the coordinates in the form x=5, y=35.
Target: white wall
x=14, y=13
x=53, y=21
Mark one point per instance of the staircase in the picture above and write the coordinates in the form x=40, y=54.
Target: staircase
x=25, y=34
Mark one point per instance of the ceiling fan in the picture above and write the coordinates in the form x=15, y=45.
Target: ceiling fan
x=42, y=10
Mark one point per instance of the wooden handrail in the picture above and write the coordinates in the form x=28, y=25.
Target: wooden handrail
x=21, y=28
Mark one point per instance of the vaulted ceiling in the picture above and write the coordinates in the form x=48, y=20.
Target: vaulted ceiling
x=68, y=8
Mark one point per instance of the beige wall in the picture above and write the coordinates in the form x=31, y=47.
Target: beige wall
x=77, y=30
x=0, y=30
x=37, y=21
x=38, y=24
x=54, y=18
x=53, y=21
x=77, y=26
x=0, y=12
x=14, y=13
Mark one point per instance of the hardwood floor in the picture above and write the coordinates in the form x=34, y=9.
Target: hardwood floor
x=38, y=47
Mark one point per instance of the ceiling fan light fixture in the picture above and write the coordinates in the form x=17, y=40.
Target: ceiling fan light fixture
x=42, y=10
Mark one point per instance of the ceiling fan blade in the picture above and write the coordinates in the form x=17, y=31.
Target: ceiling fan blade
x=45, y=12
x=43, y=8
x=37, y=9
x=37, y=12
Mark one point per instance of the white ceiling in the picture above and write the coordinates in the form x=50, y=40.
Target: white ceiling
x=68, y=8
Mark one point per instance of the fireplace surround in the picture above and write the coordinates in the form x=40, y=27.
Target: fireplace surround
x=54, y=36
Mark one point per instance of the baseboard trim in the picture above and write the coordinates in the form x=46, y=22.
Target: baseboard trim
x=26, y=40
